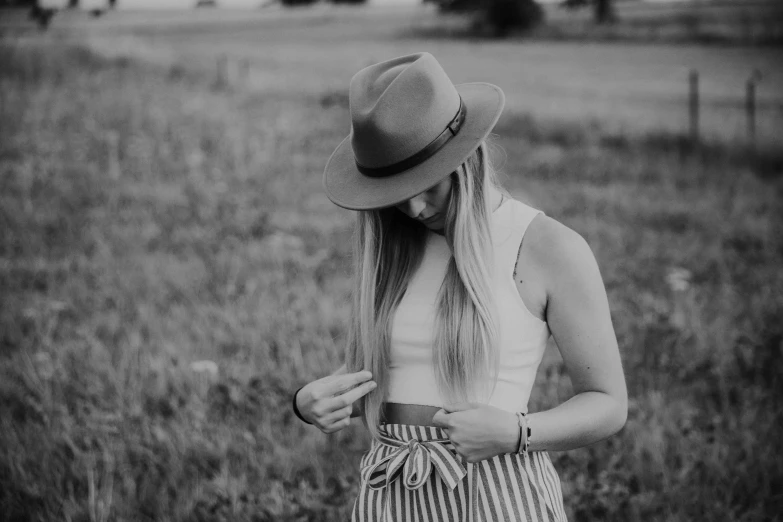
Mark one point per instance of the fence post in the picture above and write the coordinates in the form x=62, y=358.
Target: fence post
x=221, y=73
x=113, y=154
x=245, y=70
x=750, y=106
x=693, y=102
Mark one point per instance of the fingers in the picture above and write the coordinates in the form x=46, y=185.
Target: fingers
x=460, y=406
x=338, y=384
x=441, y=419
x=333, y=413
x=336, y=420
x=337, y=426
x=356, y=393
x=336, y=416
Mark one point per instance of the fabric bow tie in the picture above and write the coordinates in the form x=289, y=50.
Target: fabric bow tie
x=414, y=460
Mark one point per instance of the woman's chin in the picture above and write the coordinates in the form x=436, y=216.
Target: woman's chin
x=437, y=228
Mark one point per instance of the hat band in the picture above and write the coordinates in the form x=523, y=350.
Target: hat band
x=424, y=154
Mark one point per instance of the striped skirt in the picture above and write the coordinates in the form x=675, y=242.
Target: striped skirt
x=414, y=474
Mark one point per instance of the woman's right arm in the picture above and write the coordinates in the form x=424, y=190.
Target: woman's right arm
x=330, y=402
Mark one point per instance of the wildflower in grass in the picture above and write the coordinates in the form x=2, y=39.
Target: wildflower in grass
x=678, y=279
x=205, y=367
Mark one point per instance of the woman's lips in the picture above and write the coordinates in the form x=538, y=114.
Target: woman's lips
x=430, y=219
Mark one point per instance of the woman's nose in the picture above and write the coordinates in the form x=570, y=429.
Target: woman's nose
x=413, y=207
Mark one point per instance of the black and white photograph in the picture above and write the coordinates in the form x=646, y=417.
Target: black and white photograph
x=391, y=260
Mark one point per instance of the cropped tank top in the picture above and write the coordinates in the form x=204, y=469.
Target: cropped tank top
x=522, y=338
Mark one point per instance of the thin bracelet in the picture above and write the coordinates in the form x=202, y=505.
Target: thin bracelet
x=524, y=429
x=296, y=410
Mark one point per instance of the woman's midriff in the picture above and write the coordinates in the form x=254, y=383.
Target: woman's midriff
x=413, y=414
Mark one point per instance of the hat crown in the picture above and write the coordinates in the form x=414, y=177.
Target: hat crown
x=398, y=107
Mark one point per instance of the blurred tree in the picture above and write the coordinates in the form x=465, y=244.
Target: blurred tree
x=504, y=16
x=18, y=3
x=294, y=3
x=500, y=16
x=73, y=4
x=112, y=4
x=42, y=16
x=349, y=1
x=603, y=9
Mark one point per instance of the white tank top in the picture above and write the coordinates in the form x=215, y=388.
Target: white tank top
x=522, y=339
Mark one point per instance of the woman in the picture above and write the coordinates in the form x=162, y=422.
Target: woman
x=457, y=289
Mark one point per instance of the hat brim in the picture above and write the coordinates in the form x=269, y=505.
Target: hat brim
x=348, y=188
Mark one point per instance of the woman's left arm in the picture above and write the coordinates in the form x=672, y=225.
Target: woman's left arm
x=577, y=312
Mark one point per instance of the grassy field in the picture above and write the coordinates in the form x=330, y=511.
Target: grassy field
x=151, y=219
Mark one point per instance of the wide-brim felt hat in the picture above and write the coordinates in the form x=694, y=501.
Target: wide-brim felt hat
x=410, y=128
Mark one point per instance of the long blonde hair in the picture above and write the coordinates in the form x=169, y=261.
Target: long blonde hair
x=388, y=248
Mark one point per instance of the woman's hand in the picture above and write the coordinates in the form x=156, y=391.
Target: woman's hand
x=328, y=403
x=479, y=431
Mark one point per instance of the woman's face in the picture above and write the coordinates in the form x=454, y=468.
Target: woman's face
x=429, y=207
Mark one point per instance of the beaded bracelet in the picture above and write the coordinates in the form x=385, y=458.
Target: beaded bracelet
x=524, y=429
x=296, y=410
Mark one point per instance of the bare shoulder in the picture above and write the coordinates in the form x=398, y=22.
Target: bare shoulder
x=559, y=254
x=550, y=241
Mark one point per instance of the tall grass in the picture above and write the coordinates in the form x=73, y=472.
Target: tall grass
x=149, y=220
